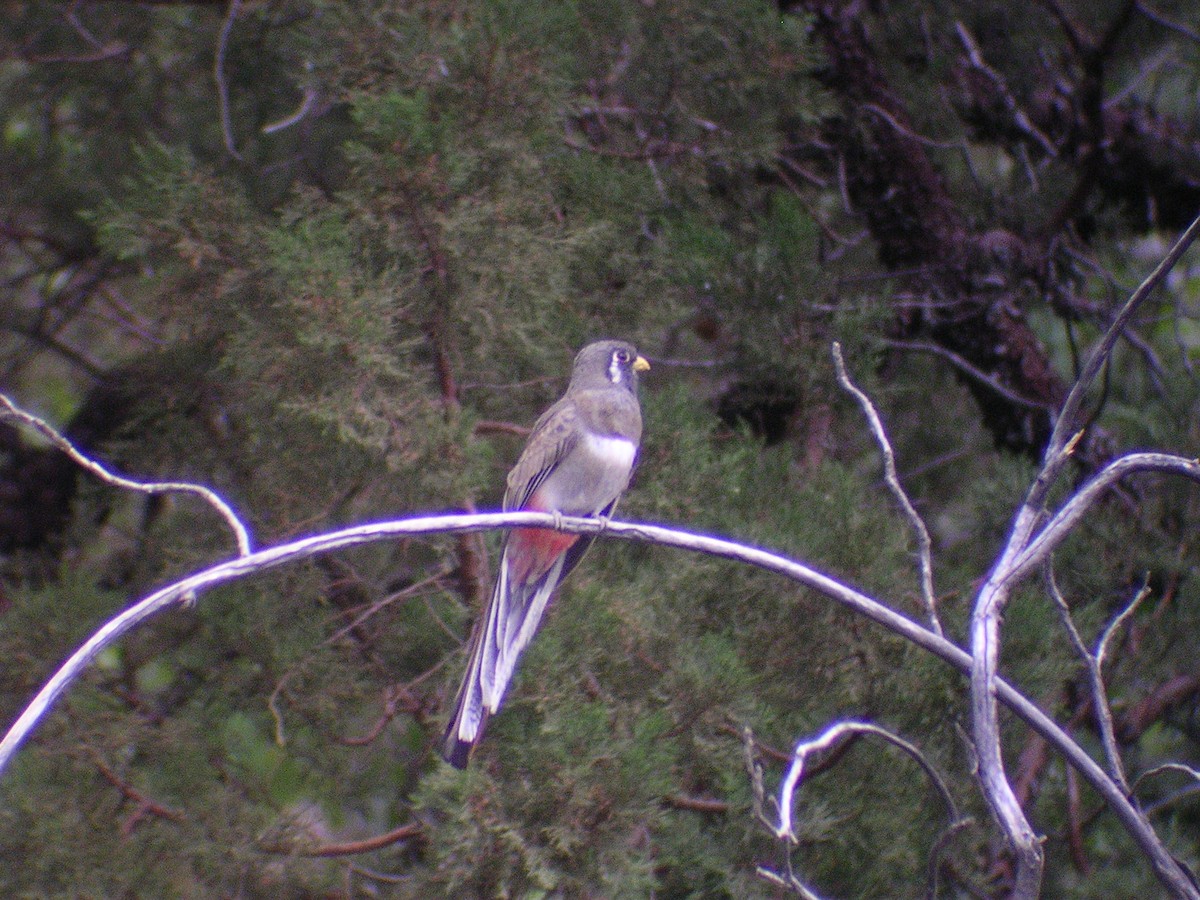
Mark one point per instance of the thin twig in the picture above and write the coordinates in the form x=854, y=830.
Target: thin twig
x=789, y=882
x=144, y=803
x=970, y=370
x=9, y=410
x=975, y=55
x=307, y=102
x=1121, y=619
x=1190, y=790
x=960, y=145
x=352, y=848
x=231, y=15
x=827, y=739
x=924, y=544
x=1159, y=19
x=1094, y=663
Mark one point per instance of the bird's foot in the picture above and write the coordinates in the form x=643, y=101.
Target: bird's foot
x=558, y=519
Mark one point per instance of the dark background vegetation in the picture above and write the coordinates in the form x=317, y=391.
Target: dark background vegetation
x=330, y=259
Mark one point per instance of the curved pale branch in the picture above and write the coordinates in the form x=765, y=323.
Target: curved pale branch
x=1038, y=550
x=892, y=477
x=1024, y=551
x=9, y=410
x=826, y=740
x=1061, y=439
x=1165, y=867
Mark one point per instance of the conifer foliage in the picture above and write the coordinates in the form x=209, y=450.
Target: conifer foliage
x=332, y=259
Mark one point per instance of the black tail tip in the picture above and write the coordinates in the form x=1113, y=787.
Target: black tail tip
x=456, y=752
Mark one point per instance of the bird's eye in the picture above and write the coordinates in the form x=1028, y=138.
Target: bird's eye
x=622, y=356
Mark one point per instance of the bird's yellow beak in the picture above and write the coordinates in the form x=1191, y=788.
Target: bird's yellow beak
x=640, y=365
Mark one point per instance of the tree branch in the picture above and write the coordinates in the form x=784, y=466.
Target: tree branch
x=1061, y=440
x=9, y=410
x=924, y=544
x=1164, y=865
x=1023, y=551
x=1094, y=663
x=835, y=736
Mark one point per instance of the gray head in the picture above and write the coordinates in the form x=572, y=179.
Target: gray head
x=608, y=363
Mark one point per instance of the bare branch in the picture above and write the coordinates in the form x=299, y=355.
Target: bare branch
x=308, y=103
x=1169, y=767
x=1094, y=663
x=222, y=80
x=1165, y=867
x=352, y=848
x=1020, y=555
x=1121, y=619
x=1072, y=512
x=1159, y=19
x=959, y=145
x=789, y=882
x=990, y=381
x=924, y=544
x=828, y=739
x=975, y=55
x=1056, y=450
x=9, y=410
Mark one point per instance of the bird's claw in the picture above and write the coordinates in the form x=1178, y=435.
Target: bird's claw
x=558, y=520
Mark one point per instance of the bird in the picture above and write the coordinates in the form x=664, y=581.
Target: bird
x=577, y=462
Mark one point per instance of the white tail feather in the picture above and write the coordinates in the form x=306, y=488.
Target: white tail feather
x=509, y=632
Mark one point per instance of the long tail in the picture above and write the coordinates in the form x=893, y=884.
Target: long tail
x=468, y=719
x=512, y=617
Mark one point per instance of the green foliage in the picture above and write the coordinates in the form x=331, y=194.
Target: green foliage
x=339, y=324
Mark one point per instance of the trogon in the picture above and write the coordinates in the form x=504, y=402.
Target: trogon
x=578, y=460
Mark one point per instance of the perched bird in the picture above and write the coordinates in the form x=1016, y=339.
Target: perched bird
x=578, y=460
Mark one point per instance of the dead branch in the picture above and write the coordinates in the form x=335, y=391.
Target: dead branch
x=1027, y=548
x=9, y=410
x=1094, y=664
x=833, y=737
x=924, y=544
x=1164, y=866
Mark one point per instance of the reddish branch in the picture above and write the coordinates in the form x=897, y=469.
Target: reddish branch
x=145, y=806
x=398, y=699
x=1130, y=726
x=696, y=804
x=352, y=848
x=487, y=426
x=1150, y=709
x=472, y=556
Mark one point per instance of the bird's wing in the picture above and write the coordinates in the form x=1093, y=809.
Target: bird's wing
x=554, y=435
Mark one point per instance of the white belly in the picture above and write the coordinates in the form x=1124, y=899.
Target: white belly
x=591, y=477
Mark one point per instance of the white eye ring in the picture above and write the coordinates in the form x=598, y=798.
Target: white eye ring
x=619, y=358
